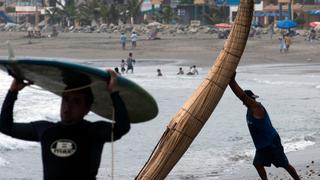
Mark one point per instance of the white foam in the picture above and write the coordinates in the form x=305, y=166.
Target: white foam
x=3, y=162
x=296, y=146
x=8, y=143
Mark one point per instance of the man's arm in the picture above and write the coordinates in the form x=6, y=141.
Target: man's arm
x=24, y=131
x=122, y=123
x=257, y=108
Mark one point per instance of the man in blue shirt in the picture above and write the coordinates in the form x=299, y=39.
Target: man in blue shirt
x=266, y=139
x=123, y=40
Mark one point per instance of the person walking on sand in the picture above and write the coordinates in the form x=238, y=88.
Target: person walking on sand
x=134, y=38
x=287, y=42
x=281, y=43
x=312, y=35
x=266, y=139
x=123, y=40
x=72, y=147
x=271, y=30
x=130, y=62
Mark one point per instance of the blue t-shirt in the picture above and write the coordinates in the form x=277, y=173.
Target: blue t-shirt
x=261, y=130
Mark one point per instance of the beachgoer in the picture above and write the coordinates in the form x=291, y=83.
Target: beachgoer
x=123, y=66
x=30, y=31
x=180, y=72
x=281, y=44
x=190, y=71
x=123, y=40
x=312, y=35
x=288, y=42
x=194, y=70
x=271, y=30
x=54, y=32
x=71, y=148
x=130, y=62
x=266, y=139
x=116, y=69
x=134, y=38
x=159, y=72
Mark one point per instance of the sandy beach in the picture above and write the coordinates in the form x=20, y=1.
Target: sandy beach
x=197, y=49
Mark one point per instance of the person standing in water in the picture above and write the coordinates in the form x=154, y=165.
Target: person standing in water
x=159, y=72
x=130, y=62
x=180, y=72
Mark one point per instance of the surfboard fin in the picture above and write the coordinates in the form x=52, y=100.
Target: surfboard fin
x=10, y=51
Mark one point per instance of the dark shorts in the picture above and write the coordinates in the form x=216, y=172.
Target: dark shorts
x=130, y=67
x=273, y=154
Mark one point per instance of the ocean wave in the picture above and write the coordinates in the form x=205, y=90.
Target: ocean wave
x=296, y=144
x=7, y=144
x=3, y=162
x=241, y=156
x=284, y=83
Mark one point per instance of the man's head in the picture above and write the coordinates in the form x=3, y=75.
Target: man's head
x=250, y=94
x=75, y=104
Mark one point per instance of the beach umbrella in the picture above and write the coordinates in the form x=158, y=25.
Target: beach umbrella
x=189, y=120
x=286, y=24
x=316, y=12
x=223, y=25
x=314, y=24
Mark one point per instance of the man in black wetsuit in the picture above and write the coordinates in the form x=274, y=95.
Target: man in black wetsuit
x=71, y=148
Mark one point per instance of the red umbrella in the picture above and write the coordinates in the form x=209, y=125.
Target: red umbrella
x=223, y=25
x=314, y=24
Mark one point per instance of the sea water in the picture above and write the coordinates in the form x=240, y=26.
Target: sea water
x=290, y=93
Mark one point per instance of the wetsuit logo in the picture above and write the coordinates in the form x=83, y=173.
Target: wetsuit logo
x=63, y=147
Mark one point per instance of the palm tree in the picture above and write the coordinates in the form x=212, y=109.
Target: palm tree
x=134, y=7
x=214, y=15
x=55, y=15
x=114, y=14
x=89, y=11
x=168, y=14
x=66, y=14
x=104, y=12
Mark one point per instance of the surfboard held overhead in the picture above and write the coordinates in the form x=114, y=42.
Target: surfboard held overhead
x=55, y=75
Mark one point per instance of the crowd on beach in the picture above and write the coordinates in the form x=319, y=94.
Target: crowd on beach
x=128, y=66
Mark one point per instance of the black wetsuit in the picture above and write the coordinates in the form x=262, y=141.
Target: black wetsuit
x=68, y=151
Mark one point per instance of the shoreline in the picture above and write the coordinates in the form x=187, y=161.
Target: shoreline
x=305, y=161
